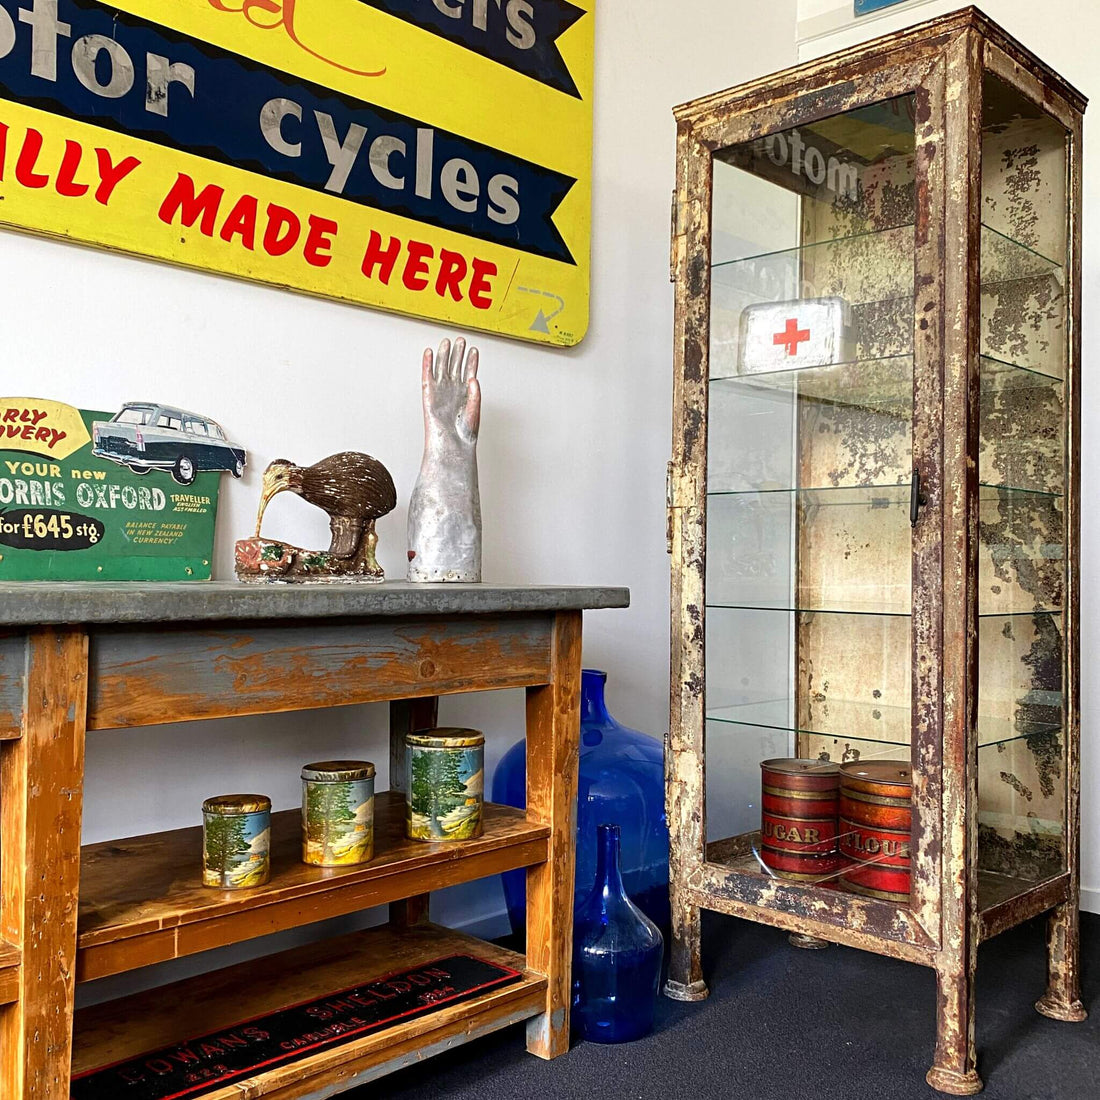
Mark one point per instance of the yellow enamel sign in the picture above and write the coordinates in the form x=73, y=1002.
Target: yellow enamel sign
x=427, y=156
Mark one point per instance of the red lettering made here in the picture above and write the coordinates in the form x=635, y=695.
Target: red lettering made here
x=448, y=274
x=277, y=230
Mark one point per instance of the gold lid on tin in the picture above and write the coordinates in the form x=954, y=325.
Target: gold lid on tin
x=801, y=767
x=894, y=772
x=338, y=771
x=446, y=737
x=232, y=804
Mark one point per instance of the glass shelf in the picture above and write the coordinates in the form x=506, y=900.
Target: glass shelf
x=1001, y=374
x=851, y=241
x=872, y=723
x=847, y=549
x=884, y=384
x=1006, y=260
x=1003, y=258
x=873, y=609
x=882, y=284
x=863, y=495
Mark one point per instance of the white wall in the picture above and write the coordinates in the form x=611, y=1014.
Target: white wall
x=1063, y=33
x=573, y=443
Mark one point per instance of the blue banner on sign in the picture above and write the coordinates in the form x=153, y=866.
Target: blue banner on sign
x=516, y=33
x=865, y=7
x=97, y=65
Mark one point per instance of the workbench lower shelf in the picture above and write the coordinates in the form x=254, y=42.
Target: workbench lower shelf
x=126, y=1029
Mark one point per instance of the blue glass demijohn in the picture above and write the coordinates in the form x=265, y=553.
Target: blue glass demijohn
x=617, y=955
x=622, y=779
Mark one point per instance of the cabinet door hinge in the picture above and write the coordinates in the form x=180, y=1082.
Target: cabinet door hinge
x=679, y=493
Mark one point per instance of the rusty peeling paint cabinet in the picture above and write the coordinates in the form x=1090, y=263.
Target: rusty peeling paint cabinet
x=76, y=658
x=874, y=530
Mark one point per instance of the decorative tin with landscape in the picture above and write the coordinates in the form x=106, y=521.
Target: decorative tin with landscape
x=236, y=841
x=876, y=816
x=799, y=818
x=338, y=813
x=445, y=783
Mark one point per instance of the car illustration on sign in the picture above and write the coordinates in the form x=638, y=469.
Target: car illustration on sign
x=147, y=436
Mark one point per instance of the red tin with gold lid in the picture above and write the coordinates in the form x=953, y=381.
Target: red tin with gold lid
x=876, y=815
x=799, y=818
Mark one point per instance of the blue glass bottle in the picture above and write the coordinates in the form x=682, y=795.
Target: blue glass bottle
x=622, y=779
x=617, y=954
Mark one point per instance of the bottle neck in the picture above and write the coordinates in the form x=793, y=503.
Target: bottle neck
x=593, y=707
x=608, y=872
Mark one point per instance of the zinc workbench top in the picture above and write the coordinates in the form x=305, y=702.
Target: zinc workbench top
x=34, y=603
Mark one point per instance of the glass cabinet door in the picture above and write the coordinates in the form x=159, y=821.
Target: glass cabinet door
x=1022, y=470
x=809, y=481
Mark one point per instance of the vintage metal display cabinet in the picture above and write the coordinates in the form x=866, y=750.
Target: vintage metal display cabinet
x=874, y=494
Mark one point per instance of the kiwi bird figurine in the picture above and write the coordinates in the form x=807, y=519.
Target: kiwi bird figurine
x=354, y=489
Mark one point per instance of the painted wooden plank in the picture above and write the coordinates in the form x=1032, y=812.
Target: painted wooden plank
x=11, y=959
x=145, y=677
x=553, y=742
x=13, y=650
x=41, y=787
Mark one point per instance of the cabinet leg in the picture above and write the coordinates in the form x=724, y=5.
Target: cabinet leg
x=955, y=1071
x=410, y=911
x=807, y=943
x=407, y=715
x=41, y=787
x=685, y=957
x=553, y=742
x=1062, y=1000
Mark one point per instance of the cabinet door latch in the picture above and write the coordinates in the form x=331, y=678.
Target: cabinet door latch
x=675, y=229
x=669, y=515
x=916, y=498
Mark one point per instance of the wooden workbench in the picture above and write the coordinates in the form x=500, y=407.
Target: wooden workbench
x=76, y=658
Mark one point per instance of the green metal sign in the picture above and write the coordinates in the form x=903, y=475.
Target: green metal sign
x=69, y=514
x=865, y=7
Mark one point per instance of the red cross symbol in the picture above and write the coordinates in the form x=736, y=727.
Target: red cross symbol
x=791, y=336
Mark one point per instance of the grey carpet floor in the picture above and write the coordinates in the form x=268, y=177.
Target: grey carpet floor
x=784, y=1024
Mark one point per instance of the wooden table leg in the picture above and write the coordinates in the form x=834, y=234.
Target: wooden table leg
x=41, y=789
x=553, y=743
x=407, y=715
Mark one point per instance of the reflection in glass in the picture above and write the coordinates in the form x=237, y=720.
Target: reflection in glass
x=808, y=586
x=1021, y=780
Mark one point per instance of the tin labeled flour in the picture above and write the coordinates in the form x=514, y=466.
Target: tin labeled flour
x=446, y=782
x=338, y=813
x=876, y=815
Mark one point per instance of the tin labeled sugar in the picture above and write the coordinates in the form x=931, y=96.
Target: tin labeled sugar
x=445, y=783
x=338, y=813
x=798, y=827
x=236, y=841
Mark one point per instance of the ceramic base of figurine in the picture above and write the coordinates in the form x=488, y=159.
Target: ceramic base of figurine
x=260, y=561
